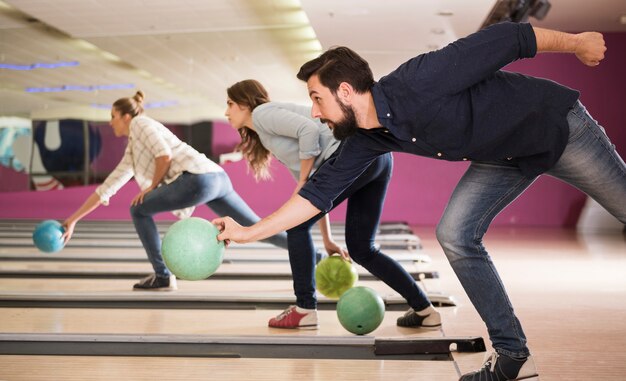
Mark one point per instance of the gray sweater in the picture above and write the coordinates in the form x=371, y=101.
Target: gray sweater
x=290, y=133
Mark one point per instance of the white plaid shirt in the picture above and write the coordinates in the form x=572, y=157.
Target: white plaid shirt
x=149, y=139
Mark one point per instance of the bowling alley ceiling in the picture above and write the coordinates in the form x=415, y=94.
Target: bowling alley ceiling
x=184, y=54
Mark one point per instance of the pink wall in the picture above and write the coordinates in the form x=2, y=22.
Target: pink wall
x=263, y=197
x=12, y=181
x=225, y=138
x=420, y=187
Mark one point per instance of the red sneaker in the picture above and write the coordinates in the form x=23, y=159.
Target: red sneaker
x=292, y=319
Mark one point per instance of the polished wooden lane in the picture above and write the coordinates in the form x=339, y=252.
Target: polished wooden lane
x=125, y=269
x=97, y=368
x=220, y=293
x=14, y=264
x=121, y=234
x=103, y=241
x=568, y=290
x=80, y=268
x=385, y=242
x=232, y=254
x=123, y=226
x=225, y=285
x=110, y=312
x=217, y=333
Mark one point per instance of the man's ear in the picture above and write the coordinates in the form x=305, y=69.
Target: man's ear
x=345, y=91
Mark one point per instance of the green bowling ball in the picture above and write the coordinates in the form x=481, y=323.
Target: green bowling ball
x=191, y=250
x=360, y=310
x=334, y=276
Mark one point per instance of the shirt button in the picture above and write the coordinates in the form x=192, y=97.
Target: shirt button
x=388, y=115
x=413, y=140
x=387, y=131
x=464, y=159
x=509, y=158
x=439, y=154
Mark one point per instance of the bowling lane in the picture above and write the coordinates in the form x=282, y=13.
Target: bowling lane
x=121, y=234
x=215, y=333
x=124, y=286
x=124, y=226
x=386, y=242
x=180, y=322
x=95, y=255
x=243, y=253
x=252, y=294
x=235, y=270
x=102, y=368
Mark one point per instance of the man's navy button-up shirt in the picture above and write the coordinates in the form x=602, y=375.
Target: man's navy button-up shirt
x=456, y=104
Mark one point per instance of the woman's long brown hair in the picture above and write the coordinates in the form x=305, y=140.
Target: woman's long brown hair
x=251, y=93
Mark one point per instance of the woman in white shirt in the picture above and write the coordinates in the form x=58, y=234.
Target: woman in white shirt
x=303, y=144
x=172, y=176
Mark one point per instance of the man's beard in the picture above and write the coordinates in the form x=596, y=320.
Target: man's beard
x=345, y=127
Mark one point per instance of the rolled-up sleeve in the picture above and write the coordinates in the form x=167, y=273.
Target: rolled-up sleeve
x=116, y=179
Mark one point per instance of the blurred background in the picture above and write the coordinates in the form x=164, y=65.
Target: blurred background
x=63, y=62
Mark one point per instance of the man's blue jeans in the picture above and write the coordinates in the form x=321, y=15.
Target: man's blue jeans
x=213, y=189
x=365, y=197
x=589, y=162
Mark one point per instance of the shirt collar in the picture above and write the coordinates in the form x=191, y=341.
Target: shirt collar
x=383, y=112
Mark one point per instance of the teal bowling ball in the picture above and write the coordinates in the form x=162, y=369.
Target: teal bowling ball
x=360, y=310
x=47, y=236
x=334, y=276
x=191, y=250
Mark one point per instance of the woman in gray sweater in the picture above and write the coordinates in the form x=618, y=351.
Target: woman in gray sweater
x=289, y=133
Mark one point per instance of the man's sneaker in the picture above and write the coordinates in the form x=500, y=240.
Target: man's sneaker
x=504, y=368
x=292, y=318
x=430, y=319
x=155, y=283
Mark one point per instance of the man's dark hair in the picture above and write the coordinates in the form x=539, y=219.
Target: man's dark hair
x=336, y=65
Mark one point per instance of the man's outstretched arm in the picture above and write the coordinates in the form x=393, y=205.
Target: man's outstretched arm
x=589, y=47
x=294, y=212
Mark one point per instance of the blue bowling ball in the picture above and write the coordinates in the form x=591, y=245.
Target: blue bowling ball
x=47, y=236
